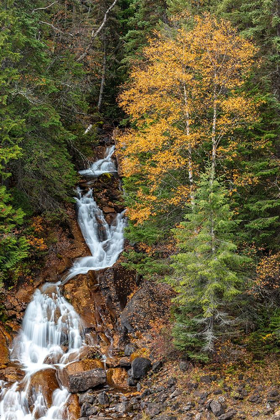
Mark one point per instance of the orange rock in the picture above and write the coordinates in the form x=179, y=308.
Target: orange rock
x=117, y=377
x=4, y=351
x=73, y=407
x=12, y=374
x=44, y=380
x=107, y=209
x=83, y=375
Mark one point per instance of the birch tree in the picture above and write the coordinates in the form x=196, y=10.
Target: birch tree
x=185, y=101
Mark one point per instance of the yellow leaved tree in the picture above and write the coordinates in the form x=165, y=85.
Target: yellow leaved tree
x=185, y=101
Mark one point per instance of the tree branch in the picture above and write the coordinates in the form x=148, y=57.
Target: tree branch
x=44, y=8
x=94, y=34
x=54, y=27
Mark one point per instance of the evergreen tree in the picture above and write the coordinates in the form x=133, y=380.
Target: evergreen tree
x=208, y=272
x=145, y=17
x=13, y=245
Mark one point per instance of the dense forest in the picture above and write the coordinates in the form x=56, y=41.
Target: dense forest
x=190, y=90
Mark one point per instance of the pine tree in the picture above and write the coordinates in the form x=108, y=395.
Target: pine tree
x=208, y=272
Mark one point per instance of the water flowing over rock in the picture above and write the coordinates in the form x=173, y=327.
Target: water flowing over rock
x=53, y=337
x=105, y=242
x=102, y=166
x=51, y=331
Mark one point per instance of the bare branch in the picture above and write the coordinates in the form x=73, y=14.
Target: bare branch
x=44, y=8
x=54, y=27
x=95, y=33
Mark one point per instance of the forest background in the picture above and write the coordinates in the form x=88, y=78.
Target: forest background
x=191, y=90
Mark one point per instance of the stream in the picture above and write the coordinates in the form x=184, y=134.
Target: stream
x=52, y=333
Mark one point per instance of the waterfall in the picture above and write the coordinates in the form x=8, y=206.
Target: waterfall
x=52, y=332
x=102, y=166
x=105, y=242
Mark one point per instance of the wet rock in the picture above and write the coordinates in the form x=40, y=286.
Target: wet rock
x=140, y=367
x=73, y=407
x=42, y=381
x=116, y=284
x=11, y=374
x=81, y=376
x=216, y=408
x=107, y=209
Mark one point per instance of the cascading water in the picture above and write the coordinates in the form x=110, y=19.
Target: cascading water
x=105, y=242
x=52, y=333
x=101, y=166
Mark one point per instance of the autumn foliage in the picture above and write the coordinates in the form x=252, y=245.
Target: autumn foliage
x=186, y=102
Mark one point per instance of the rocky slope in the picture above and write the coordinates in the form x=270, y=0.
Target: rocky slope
x=142, y=376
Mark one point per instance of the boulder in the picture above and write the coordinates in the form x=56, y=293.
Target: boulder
x=117, y=377
x=140, y=367
x=73, y=407
x=42, y=381
x=81, y=376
